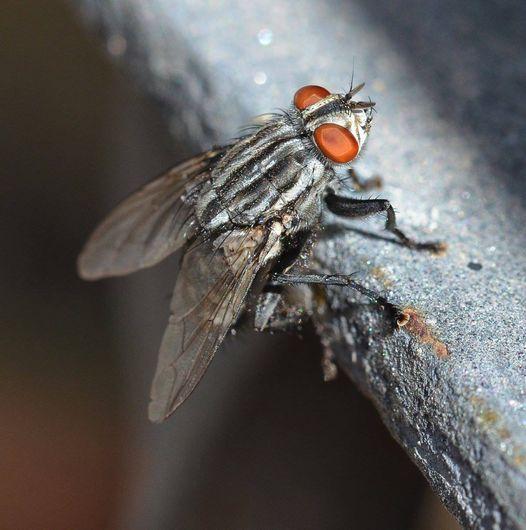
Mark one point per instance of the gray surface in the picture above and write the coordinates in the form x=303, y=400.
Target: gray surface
x=449, y=139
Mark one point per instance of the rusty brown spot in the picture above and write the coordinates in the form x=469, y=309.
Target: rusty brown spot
x=477, y=401
x=488, y=417
x=504, y=433
x=411, y=321
x=441, y=249
x=381, y=275
x=403, y=319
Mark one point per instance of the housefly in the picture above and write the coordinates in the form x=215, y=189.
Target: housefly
x=243, y=214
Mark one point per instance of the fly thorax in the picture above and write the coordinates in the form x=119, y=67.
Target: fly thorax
x=261, y=178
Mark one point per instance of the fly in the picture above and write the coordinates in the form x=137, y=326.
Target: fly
x=243, y=213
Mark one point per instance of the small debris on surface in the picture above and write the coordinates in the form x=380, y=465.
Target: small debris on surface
x=414, y=323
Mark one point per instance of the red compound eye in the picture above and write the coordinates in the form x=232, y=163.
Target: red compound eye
x=336, y=142
x=308, y=95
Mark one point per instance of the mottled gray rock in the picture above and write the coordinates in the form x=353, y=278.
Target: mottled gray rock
x=448, y=79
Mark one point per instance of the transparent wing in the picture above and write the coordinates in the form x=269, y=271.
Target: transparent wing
x=147, y=226
x=209, y=294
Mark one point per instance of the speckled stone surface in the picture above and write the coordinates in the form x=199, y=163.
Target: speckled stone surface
x=449, y=139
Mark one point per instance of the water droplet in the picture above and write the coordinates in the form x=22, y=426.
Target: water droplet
x=260, y=78
x=265, y=36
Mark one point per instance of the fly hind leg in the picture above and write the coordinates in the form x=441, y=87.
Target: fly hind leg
x=395, y=314
x=344, y=280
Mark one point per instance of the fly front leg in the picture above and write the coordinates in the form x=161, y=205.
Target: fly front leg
x=362, y=184
x=355, y=208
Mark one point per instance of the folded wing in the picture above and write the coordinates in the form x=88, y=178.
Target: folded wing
x=209, y=295
x=147, y=226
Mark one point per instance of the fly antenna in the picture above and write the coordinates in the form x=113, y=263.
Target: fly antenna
x=352, y=75
x=354, y=91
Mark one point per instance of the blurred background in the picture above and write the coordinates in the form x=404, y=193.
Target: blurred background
x=263, y=443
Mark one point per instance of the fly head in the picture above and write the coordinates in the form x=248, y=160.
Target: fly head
x=336, y=126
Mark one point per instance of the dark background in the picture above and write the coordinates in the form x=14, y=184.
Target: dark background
x=280, y=450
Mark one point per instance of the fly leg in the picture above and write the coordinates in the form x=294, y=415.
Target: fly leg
x=273, y=310
x=348, y=207
x=361, y=184
x=344, y=280
x=329, y=367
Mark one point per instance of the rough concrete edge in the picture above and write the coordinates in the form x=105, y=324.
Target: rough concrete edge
x=433, y=443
